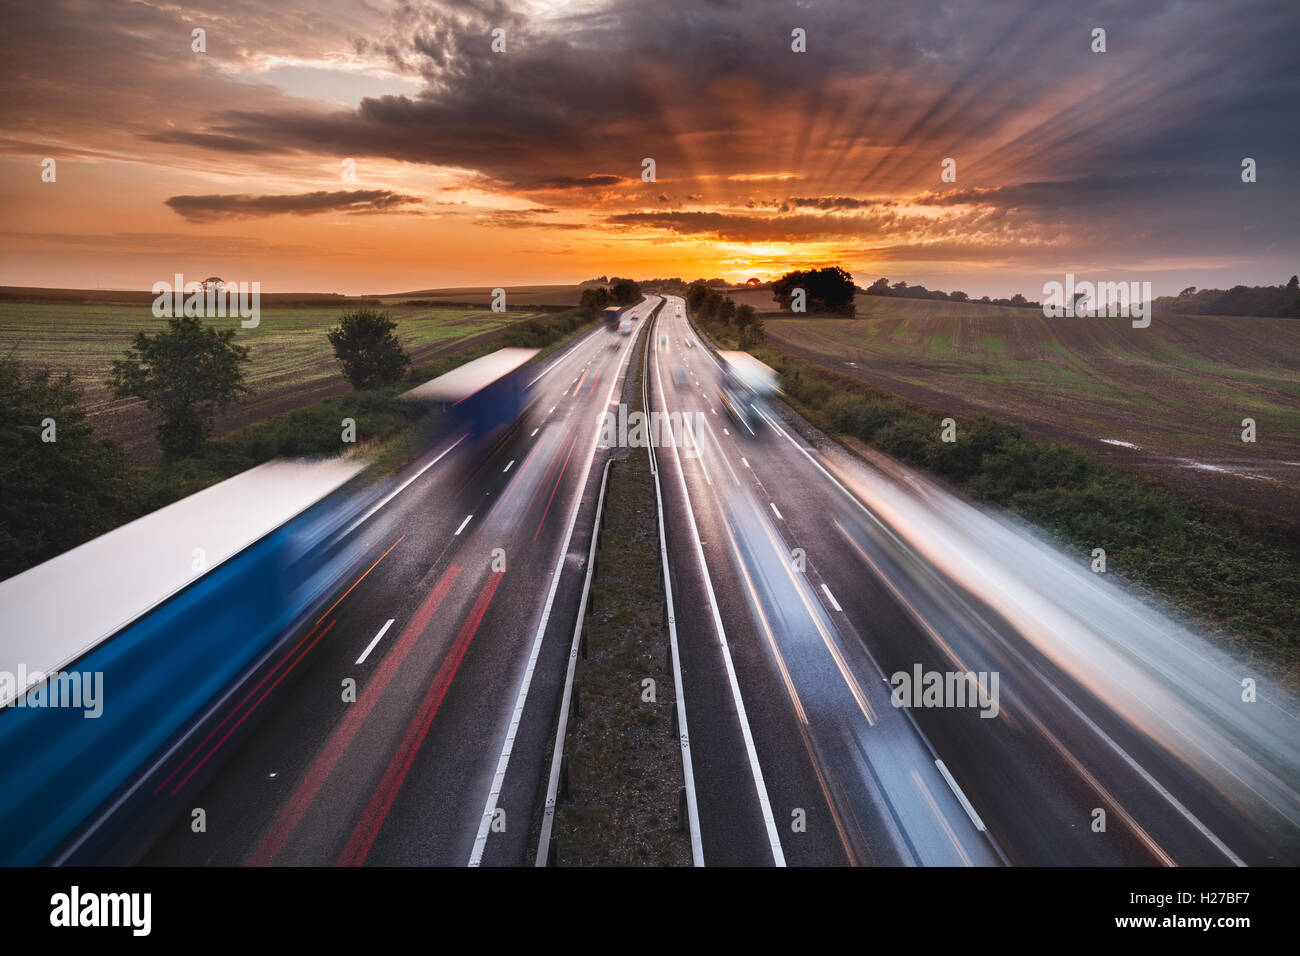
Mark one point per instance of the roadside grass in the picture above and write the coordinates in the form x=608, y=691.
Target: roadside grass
x=625, y=763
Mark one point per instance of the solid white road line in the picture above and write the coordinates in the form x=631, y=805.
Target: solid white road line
x=402, y=487
x=557, y=750
x=557, y=362
x=371, y=646
x=961, y=797
x=834, y=603
x=535, y=431
x=756, y=772
x=462, y=525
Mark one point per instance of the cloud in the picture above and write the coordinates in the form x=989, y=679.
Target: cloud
x=217, y=141
x=573, y=182
x=1135, y=152
x=835, y=202
x=213, y=208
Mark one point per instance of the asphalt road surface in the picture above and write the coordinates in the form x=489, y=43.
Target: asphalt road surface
x=454, y=631
x=1118, y=737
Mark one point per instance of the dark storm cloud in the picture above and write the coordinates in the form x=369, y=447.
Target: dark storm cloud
x=211, y=208
x=226, y=144
x=834, y=202
x=1051, y=140
x=593, y=181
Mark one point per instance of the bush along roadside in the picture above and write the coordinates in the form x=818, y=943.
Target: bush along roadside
x=1230, y=567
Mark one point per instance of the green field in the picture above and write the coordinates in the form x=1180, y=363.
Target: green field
x=1177, y=390
x=291, y=362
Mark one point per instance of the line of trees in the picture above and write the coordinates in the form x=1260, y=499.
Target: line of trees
x=709, y=305
x=902, y=290
x=1263, y=300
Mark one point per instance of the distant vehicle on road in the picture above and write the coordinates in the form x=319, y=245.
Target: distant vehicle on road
x=610, y=316
x=625, y=326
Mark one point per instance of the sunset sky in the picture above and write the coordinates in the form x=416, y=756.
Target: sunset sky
x=482, y=168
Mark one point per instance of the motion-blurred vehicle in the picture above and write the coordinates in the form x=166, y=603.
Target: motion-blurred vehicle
x=625, y=326
x=746, y=383
x=611, y=318
x=679, y=375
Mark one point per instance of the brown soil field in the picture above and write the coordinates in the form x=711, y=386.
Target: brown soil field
x=1167, y=400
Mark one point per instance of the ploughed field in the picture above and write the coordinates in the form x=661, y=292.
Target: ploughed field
x=1167, y=400
x=291, y=363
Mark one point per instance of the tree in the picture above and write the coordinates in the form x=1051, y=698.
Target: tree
x=594, y=300
x=745, y=317
x=727, y=310
x=1294, y=284
x=826, y=290
x=62, y=485
x=625, y=291
x=696, y=295
x=1190, y=290
x=710, y=306
x=185, y=374
x=958, y=296
x=879, y=287
x=366, y=345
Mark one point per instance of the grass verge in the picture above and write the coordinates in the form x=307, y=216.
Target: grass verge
x=625, y=764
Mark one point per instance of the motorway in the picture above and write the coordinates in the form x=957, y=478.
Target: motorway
x=1119, y=738
x=803, y=578
x=453, y=629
